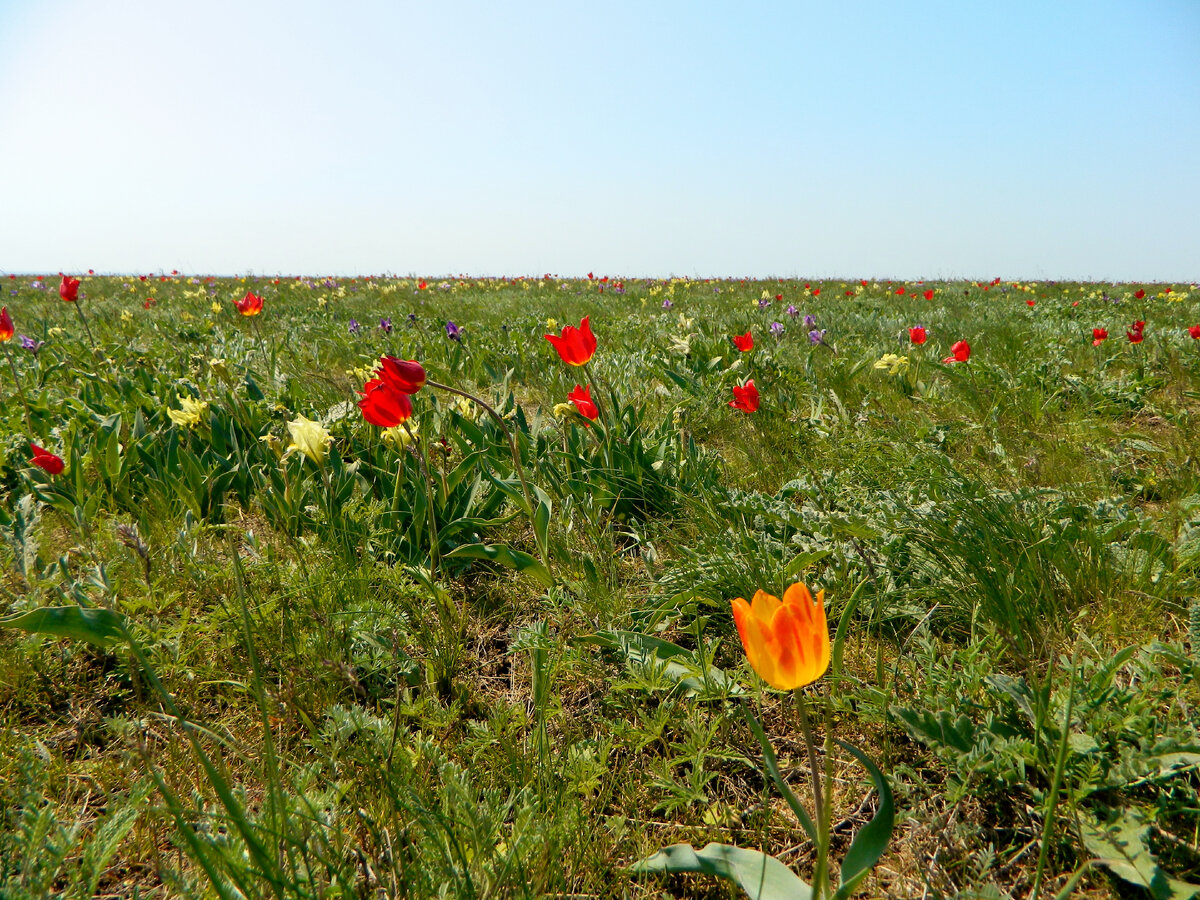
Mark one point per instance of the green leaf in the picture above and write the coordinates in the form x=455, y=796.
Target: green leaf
x=96, y=626
x=762, y=877
x=505, y=556
x=942, y=730
x=680, y=665
x=1123, y=847
x=872, y=839
x=773, y=770
x=839, y=638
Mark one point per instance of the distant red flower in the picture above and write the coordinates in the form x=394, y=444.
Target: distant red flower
x=250, y=305
x=960, y=352
x=68, y=289
x=778, y=297
x=916, y=334
x=1030, y=302
x=404, y=375
x=1140, y=294
x=6, y=325
x=575, y=345
x=383, y=405
x=1194, y=331
x=423, y=285
x=745, y=397
x=1076, y=303
x=816, y=292
x=744, y=342
x=900, y=292
x=44, y=459
x=150, y=301
x=1136, y=333
x=928, y=293
x=1099, y=336
x=582, y=398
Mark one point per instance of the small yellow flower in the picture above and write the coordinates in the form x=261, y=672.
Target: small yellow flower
x=191, y=413
x=55, y=331
x=219, y=368
x=552, y=323
x=893, y=363
x=274, y=443
x=126, y=316
x=309, y=438
x=397, y=437
x=216, y=307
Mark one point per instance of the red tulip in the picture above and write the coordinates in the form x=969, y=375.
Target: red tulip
x=404, y=375
x=745, y=397
x=1099, y=336
x=1137, y=333
x=582, y=398
x=961, y=352
x=916, y=334
x=1194, y=331
x=68, y=289
x=899, y=292
x=928, y=293
x=43, y=459
x=1030, y=302
x=383, y=405
x=1139, y=293
x=6, y=325
x=744, y=342
x=250, y=305
x=575, y=345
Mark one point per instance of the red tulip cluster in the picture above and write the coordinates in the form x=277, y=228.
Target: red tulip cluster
x=385, y=399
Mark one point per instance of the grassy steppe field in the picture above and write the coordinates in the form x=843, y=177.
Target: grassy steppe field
x=242, y=659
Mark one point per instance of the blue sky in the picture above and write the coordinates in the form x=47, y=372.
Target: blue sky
x=872, y=139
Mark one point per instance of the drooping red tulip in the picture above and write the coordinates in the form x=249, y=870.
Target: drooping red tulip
x=44, y=459
x=1099, y=336
x=745, y=397
x=960, y=352
x=744, y=342
x=916, y=334
x=575, y=345
x=68, y=289
x=582, y=398
x=250, y=305
x=405, y=375
x=383, y=405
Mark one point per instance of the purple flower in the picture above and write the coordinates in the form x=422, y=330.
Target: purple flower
x=412, y=319
x=776, y=328
x=667, y=304
x=816, y=337
x=355, y=328
x=385, y=325
x=792, y=311
x=28, y=343
x=764, y=303
x=453, y=332
x=810, y=321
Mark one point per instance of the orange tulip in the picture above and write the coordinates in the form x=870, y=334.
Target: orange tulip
x=786, y=642
x=250, y=305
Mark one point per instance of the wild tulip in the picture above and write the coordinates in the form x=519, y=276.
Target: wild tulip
x=309, y=438
x=250, y=305
x=6, y=325
x=575, y=346
x=917, y=334
x=68, y=289
x=745, y=397
x=744, y=342
x=383, y=405
x=1137, y=333
x=44, y=459
x=582, y=398
x=405, y=375
x=1139, y=294
x=929, y=293
x=1099, y=336
x=786, y=642
x=960, y=352
x=1194, y=331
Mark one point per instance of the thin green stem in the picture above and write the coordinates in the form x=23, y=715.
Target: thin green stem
x=20, y=389
x=86, y=327
x=434, y=555
x=820, y=876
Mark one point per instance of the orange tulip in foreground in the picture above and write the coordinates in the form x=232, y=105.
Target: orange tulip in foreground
x=575, y=345
x=787, y=642
x=250, y=305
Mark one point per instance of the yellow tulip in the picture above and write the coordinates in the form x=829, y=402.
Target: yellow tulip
x=786, y=642
x=309, y=438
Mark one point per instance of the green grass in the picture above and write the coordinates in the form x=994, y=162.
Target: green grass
x=322, y=698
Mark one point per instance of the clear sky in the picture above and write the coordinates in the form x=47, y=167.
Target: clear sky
x=1023, y=139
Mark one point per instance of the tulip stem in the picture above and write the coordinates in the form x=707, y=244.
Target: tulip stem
x=263, y=349
x=512, y=447
x=820, y=875
x=20, y=388
x=419, y=453
x=86, y=327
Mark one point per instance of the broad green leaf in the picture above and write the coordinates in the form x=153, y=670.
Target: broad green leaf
x=505, y=556
x=1123, y=847
x=872, y=839
x=762, y=877
x=773, y=770
x=941, y=730
x=96, y=626
x=679, y=664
